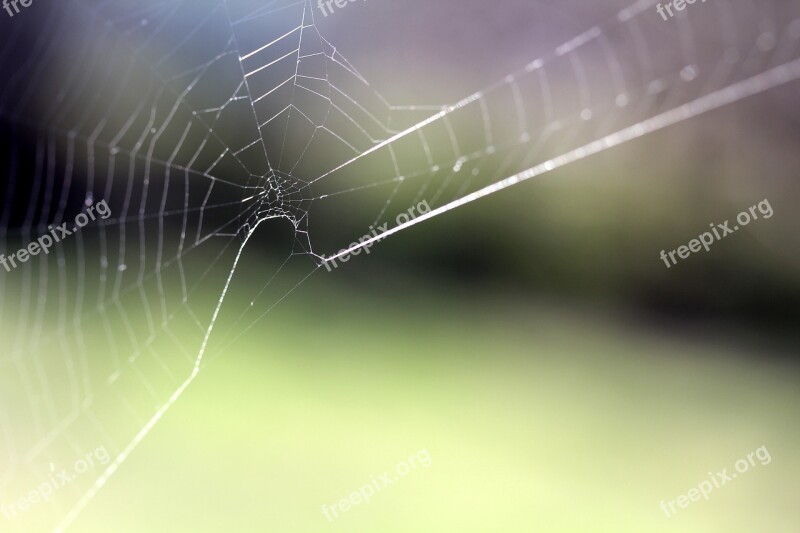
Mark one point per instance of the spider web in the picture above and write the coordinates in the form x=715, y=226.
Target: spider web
x=203, y=122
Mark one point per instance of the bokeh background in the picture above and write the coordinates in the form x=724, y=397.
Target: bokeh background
x=533, y=342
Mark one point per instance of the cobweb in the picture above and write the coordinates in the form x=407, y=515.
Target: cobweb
x=208, y=126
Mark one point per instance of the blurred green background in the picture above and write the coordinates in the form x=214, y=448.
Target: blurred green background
x=536, y=419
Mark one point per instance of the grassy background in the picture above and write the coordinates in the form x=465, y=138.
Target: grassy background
x=535, y=420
